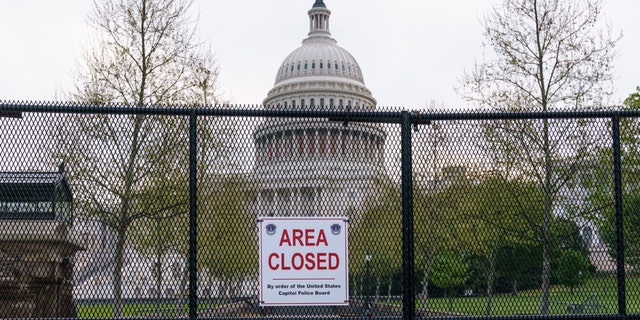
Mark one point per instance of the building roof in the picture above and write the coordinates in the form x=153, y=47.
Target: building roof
x=33, y=186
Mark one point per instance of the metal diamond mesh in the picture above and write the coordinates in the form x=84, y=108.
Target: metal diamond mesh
x=101, y=215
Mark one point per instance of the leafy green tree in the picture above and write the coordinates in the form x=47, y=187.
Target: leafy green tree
x=602, y=187
x=573, y=268
x=493, y=219
x=126, y=169
x=434, y=230
x=550, y=55
x=516, y=265
x=378, y=234
x=225, y=230
x=449, y=270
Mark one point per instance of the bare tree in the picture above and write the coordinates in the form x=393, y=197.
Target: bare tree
x=129, y=168
x=550, y=55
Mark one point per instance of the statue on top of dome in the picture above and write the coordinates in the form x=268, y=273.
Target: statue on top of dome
x=319, y=4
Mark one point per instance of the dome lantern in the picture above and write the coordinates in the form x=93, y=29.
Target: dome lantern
x=319, y=20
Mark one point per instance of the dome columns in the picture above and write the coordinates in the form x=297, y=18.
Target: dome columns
x=319, y=144
x=319, y=22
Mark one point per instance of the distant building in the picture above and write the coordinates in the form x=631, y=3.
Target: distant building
x=36, y=248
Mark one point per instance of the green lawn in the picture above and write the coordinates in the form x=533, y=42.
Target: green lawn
x=105, y=310
x=528, y=302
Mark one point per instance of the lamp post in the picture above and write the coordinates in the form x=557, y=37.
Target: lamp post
x=367, y=261
x=579, y=282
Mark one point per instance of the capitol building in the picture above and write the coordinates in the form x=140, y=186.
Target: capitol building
x=313, y=167
x=303, y=167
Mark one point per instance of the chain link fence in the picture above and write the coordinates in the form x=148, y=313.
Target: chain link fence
x=147, y=212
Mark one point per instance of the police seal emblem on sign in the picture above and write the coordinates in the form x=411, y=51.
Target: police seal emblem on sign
x=271, y=229
x=335, y=229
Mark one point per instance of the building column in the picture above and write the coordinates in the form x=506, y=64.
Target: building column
x=339, y=144
x=327, y=145
x=305, y=151
x=317, y=144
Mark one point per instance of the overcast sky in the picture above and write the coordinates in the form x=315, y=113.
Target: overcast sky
x=410, y=51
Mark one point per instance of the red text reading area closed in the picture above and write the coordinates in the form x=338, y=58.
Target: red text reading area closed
x=304, y=238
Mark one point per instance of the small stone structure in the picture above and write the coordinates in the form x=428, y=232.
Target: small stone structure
x=36, y=250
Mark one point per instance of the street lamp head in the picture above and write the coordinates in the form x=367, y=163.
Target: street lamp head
x=367, y=257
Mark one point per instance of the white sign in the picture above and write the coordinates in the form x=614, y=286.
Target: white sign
x=303, y=261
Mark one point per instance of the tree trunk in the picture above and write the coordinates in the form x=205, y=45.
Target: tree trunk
x=158, y=270
x=389, y=289
x=355, y=287
x=158, y=274
x=425, y=282
x=490, y=279
x=377, y=289
x=123, y=219
x=514, y=287
x=117, y=272
x=183, y=287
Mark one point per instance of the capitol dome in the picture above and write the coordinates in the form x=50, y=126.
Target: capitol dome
x=311, y=166
x=319, y=56
x=318, y=66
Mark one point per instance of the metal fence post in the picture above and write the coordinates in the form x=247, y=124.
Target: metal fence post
x=193, y=180
x=617, y=187
x=408, y=291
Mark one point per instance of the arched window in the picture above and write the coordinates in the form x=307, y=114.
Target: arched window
x=298, y=66
x=293, y=104
x=321, y=65
x=331, y=103
x=312, y=104
x=306, y=65
x=321, y=103
x=313, y=65
x=302, y=104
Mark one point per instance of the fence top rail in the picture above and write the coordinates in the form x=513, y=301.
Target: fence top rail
x=11, y=109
